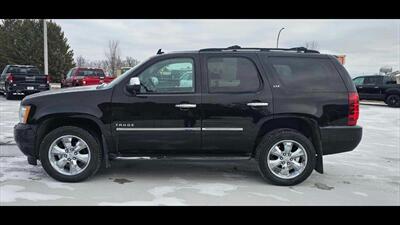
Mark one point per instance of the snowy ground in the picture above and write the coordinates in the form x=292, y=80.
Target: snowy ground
x=369, y=175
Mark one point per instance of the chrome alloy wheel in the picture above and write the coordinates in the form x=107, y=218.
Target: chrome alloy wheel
x=287, y=159
x=69, y=155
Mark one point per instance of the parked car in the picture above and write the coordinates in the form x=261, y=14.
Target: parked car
x=80, y=76
x=379, y=87
x=285, y=108
x=22, y=80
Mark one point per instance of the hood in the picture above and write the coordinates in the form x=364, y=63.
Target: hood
x=63, y=91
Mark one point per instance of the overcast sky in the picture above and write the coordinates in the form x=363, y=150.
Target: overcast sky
x=367, y=44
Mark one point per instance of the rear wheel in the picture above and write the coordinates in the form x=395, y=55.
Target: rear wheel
x=70, y=154
x=285, y=157
x=393, y=100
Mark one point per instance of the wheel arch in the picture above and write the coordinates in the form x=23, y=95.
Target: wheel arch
x=305, y=125
x=88, y=122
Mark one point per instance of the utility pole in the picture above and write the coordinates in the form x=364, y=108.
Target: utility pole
x=277, y=39
x=46, y=62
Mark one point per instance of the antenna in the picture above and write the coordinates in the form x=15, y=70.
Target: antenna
x=159, y=52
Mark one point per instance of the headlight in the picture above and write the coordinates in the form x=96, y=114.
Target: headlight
x=24, y=113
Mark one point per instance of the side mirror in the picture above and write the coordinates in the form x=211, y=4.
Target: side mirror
x=134, y=85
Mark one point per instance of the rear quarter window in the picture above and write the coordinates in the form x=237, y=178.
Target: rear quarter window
x=298, y=74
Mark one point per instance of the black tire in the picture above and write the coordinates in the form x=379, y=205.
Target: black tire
x=275, y=136
x=393, y=100
x=9, y=95
x=95, y=152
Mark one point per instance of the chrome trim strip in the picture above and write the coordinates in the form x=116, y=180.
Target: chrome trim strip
x=221, y=129
x=185, y=106
x=159, y=129
x=257, y=104
x=180, y=129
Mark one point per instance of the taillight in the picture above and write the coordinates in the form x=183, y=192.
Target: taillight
x=354, y=109
x=48, y=79
x=10, y=78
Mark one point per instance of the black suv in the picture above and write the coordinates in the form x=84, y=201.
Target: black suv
x=286, y=108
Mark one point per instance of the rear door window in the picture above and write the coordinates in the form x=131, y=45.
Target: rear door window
x=232, y=74
x=371, y=80
x=300, y=74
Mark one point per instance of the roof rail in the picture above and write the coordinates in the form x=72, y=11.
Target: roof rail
x=236, y=48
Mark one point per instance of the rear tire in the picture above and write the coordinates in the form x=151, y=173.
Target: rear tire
x=273, y=167
x=393, y=100
x=70, y=168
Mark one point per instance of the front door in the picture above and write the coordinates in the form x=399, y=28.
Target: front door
x=164, y=118
x=236, y=98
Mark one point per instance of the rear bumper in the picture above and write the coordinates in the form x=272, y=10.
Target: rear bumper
x=337, y=139
x=25, y=136
x=25, y=88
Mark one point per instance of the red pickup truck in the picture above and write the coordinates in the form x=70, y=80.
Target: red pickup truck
x=80, y=76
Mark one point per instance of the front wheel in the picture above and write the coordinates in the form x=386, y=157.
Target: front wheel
x=285, y=157
x=70, y=154
x=393, y=100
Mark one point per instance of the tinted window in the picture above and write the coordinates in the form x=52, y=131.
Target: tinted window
x=23, y=70
x=232, y=74
x=306, y=74
x=358, y=81
x=91, y=72
x=390, y=80
x=168, y=76
x=371, y=80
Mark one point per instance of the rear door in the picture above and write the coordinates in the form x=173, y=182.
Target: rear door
x=371, y=88
x=235, y=100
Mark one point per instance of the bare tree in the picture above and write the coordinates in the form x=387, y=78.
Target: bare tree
x=113, y=55
x=80, y=61
x=313, y=45
x=130, y=61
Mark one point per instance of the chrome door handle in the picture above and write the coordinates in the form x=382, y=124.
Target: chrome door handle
x=185, y=106
x=257, y=104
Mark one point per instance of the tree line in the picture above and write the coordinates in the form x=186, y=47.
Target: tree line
x=21, y=42
x=112, y=62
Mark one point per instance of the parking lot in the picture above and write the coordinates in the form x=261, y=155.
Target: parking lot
x=369, y=175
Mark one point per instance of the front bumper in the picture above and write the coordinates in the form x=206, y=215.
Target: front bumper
x=25, y=136
x=337, y=139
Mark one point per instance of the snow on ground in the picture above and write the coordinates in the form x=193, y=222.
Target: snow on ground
x=8, y=118
x=369, y=175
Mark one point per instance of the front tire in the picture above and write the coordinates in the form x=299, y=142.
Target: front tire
x=9, y=95
x=393, y=100
x=285, y=157
x=70, y=154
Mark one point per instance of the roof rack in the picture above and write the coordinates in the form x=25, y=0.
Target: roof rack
x=236, y=48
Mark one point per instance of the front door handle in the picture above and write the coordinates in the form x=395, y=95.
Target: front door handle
x=257, y=104
x=185, y=106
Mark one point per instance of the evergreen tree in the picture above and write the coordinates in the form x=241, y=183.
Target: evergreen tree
x=21, y=42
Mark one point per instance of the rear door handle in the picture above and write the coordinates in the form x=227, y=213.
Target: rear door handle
x=258, y=104
x=185, y=106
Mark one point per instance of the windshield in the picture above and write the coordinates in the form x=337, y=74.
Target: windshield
x=91, y=72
